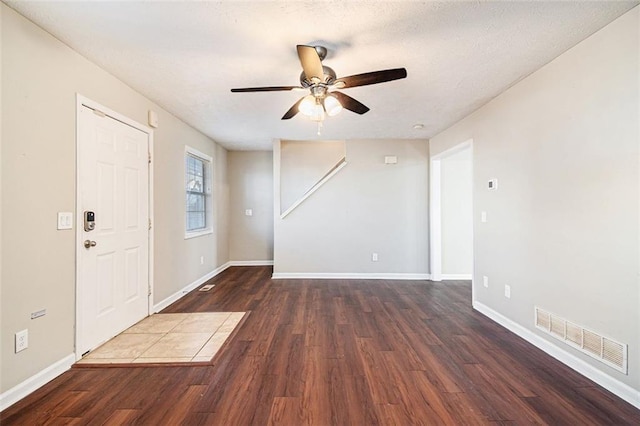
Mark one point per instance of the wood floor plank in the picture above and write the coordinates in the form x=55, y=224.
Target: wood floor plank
x=316, y=400
x=285, y=411
x=121, y=417
x=336, y=352
x=420, y=399
x=382, y=384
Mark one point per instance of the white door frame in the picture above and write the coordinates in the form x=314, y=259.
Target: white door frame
x=435, y=203
x=80, y=102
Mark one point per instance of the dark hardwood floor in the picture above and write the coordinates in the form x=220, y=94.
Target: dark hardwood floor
x=337, y=352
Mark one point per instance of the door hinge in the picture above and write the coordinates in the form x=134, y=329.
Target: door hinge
x=149, y=158
x=149, y=224
x=99, y=113
x=149, y=292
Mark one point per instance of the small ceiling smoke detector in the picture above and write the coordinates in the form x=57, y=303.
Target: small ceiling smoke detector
x=418, y=126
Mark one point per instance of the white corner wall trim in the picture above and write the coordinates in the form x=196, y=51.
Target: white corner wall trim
x=251, y=263
x=36, y=381
x=347, y=276
x=456, y=276
x=180, y=293
x=622, y=390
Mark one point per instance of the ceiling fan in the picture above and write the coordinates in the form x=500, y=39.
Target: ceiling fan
x=323, y=84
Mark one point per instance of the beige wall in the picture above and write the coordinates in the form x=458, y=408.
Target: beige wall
x=302, y=165
x=456, y=214
x=251, y=187
x=366, y=207
x=40, y=79
x=563, y=225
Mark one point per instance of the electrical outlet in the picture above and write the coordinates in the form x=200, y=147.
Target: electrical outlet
x=485, y=281
x=22, y=340
x=374, y=257
x=202, y=260
x=507, y=291
x=483, y=217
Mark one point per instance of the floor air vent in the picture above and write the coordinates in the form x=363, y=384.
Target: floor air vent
x=602, y=348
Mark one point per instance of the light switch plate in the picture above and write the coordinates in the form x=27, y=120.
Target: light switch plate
x=65, y=220
x=248, y=212
x=483, y=217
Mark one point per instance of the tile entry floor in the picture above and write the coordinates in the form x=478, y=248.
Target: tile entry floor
x=168, y=338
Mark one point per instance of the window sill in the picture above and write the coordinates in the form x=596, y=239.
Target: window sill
x=194, y=234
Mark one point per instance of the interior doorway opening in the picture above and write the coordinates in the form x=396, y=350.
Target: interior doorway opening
x=451, y=218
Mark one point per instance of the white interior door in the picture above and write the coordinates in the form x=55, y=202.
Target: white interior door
x=113, y=258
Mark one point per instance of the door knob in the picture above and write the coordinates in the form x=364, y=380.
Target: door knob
x=89, y=243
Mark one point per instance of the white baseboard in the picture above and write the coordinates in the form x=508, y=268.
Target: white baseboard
x=624, y=391
x=180, y=293
x=36, y=381
x=251, y=263
x=456, y=276
x=347, y=276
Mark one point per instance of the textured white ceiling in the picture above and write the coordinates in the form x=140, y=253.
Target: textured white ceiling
x=187, y=55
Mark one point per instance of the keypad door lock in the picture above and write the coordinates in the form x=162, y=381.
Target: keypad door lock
x=89, y=221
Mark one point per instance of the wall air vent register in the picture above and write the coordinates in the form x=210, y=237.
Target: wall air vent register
x=606, y=350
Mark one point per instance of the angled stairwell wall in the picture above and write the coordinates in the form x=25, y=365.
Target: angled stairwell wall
x=367, y=207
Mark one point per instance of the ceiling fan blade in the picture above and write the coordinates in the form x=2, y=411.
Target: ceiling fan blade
x=292, y=111
x=266, y=89
x=351, y=104
x=311, y=64
x=372, y=77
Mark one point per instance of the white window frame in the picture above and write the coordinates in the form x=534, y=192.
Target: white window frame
x=208, y=184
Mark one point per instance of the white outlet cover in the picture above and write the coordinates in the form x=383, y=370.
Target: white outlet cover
x=485, y=281
x=483, y=217
x=507, y=291
x=374, y=257
x=22, y=340
x=248, y=212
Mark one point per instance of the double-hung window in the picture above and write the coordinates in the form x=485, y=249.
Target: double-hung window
x=198, y=206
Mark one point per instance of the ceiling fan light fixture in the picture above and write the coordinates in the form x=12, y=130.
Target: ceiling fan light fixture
x=307, y=105
x=332, y=105
x=312, y=107
x=318, y=112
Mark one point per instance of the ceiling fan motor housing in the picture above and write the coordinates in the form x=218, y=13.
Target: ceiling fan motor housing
x=329, y=77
